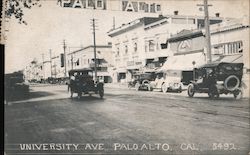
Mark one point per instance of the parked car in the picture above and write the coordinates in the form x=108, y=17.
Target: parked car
x=170, y=80
x=81, y=82
x=15, y=86
x=142, y=81
x=216, y=79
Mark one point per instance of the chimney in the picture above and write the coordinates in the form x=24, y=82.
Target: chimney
x=176, y=12
x=217, y=14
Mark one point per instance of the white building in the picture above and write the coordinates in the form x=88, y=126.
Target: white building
x=137, y=45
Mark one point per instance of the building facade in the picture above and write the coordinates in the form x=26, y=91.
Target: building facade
x=84, y=58
x=229, y=41
x=141, y=44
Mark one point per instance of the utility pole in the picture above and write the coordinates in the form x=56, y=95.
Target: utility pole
x=43, y=66
x=64, y=51
x=207, y=28
x=50, y=53
x=94, y=40
x=72, y=61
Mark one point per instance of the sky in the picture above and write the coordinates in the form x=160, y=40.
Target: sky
x=50, y=24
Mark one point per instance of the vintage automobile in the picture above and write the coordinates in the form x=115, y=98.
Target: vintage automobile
x=142, y=81
x=15, y=86
x=169, y=80
x=216, y=79
x=81, y=82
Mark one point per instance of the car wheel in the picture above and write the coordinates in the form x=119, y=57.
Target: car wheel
x=137, y=86
x=164, y=88
x=191, y=90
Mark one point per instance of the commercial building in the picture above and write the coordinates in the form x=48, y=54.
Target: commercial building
x=84, y=58
x=140, y=45
x=229, y=40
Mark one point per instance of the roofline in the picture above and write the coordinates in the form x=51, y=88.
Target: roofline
x=90, y=46
x=192, y=34
x=125, y=27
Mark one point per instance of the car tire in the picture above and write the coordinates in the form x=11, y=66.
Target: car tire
x=164, y=88
x=230, y=78
x=191, y=90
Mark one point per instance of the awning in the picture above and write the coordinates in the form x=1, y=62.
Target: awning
x=233, y=58
x=184, y=62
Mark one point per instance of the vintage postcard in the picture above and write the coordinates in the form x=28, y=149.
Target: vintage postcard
x=126, y=77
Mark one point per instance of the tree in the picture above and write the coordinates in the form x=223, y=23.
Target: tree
x=15, y=8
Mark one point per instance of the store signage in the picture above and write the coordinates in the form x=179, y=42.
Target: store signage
x=85, y=4
x=184, y=46
x=134, y=6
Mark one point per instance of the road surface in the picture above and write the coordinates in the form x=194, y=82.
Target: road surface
x=125, y=122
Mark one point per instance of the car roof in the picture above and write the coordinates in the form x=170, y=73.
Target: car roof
x=215, y=64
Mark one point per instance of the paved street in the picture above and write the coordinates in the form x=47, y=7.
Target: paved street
x=125, y=122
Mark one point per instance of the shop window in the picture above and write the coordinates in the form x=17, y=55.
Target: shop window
x=91, y=3
x=240, y=47
x=99, y=3
x=151, y=45
x=158, y=8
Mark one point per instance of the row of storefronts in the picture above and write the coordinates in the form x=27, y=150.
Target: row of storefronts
x=141, y=45
x=54, y=67
x=151, y=43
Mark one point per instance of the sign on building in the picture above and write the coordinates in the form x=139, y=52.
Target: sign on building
x=137, y=6
x=85, y=4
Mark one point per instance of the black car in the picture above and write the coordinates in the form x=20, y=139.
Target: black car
x=216, y=79
x=81, y=82
x=142, y=81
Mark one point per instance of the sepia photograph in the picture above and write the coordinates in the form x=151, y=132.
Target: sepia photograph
x=126, y=77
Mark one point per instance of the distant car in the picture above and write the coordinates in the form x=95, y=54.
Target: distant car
x=15, y=86
x=81, y=82
x=216, y=79
x=142, y=81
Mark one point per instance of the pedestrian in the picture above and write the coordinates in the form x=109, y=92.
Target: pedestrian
x=71, y=85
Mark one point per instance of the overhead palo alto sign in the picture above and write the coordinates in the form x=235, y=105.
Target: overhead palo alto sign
x=139, y=6
x=85, y=4
x=127, y=5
